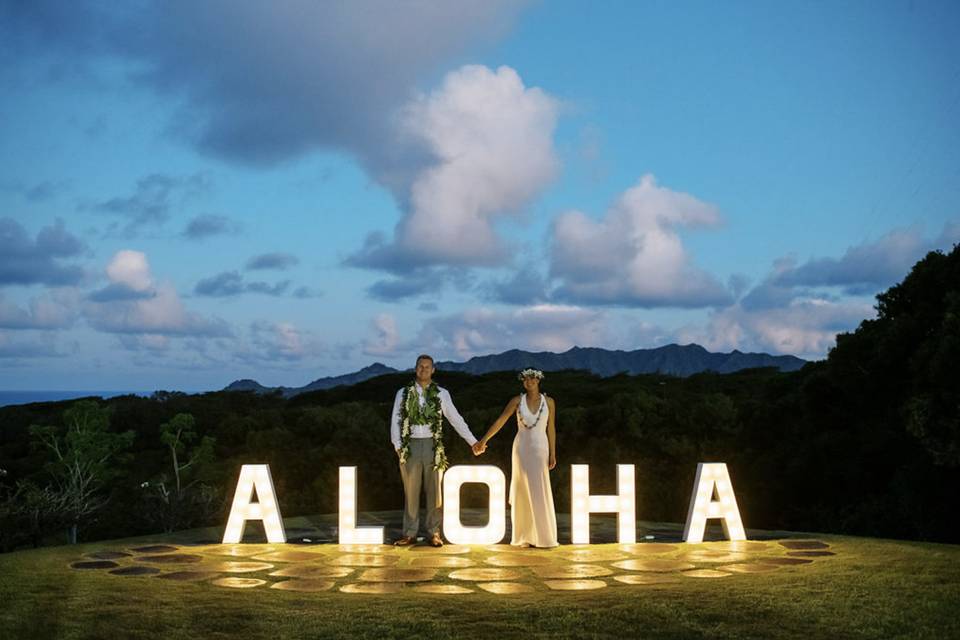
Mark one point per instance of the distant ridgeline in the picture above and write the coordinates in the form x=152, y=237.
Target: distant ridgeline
x=673, y=359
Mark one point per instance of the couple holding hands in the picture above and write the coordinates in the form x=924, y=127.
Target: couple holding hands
x=416, y=431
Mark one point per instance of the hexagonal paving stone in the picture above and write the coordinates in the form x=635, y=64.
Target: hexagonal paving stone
x=575, y=585
x=647, y=578
x=240, y=567
x=804, y=544
x=448, y=589
x=392, y=574
x=303, y=584
x=480, y=574
x=372, y=587
x=135, y=570
x=171, y=558
x=94, y=564
x=748, y=567
x=517, y=560
x=811, y=554
x=505, y=588
x=239, y=583
x=364, y=560
x=312, y=571
x=704, y=573
x=648, y=548
x=188, y=576
x=653, y=564
x=441, y=561
x=572, y=571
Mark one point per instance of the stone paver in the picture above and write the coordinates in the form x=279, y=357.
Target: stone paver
x=305, y=584
x=239, y=583
x=386, y=569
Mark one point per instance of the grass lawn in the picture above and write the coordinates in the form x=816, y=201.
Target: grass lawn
x=871, y=589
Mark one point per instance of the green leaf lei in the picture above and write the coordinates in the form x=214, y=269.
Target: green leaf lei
x=431, y=413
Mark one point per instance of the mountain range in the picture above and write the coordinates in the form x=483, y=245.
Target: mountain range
x=673, y=359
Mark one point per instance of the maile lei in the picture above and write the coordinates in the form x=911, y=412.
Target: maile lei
x=430, y=413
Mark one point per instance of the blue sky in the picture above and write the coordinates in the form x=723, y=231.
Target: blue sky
x=192, y=193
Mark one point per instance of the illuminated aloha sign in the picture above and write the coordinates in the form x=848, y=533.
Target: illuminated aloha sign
x=712, y=498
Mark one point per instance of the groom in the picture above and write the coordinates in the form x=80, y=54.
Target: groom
x=416, y=430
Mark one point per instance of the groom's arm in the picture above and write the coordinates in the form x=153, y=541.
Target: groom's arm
x=450, y=411
x=395, y=421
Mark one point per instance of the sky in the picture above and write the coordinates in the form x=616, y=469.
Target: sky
x=196, y=192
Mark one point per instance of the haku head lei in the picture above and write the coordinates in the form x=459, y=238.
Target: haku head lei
x=528, y=373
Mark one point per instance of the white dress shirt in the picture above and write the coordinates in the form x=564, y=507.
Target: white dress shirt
x=423, y=430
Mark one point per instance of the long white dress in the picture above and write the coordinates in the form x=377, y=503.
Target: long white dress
x=531, y=498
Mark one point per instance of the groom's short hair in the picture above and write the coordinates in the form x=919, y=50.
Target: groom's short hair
x=424, y=356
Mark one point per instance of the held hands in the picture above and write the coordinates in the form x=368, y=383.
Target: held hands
x=479, y=447
x=552, y=462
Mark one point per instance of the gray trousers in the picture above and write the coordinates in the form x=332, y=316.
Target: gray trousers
x=418, y=472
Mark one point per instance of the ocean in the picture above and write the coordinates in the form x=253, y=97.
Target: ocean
x=26, y=397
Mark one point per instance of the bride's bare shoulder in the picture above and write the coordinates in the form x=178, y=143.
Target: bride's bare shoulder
x=514, y=402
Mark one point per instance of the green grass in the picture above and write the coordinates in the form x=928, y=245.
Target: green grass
x=871, y=589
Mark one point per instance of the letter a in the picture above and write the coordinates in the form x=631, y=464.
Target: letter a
x=254, y=477
x=712, y=476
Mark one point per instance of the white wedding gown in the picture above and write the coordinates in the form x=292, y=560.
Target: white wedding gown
x=531, y=498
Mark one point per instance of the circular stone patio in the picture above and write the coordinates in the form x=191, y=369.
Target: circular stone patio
x=452, y=570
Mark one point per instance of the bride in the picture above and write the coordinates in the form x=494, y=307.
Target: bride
x=534, y=454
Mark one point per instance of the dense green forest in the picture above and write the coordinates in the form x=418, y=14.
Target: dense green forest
x=864, y=442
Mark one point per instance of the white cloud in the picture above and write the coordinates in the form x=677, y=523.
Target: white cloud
x=57, y=309
x=870, y=266
x=492, y=143
x=387, y=338
x=162, y=312
x=805, y=327
x=150, y=342
x=274, y=342
x=634, y=255
x=537, y=328
x=130, y=268
x=44, y=345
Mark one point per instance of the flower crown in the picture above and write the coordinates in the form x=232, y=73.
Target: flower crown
x=526, y=373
